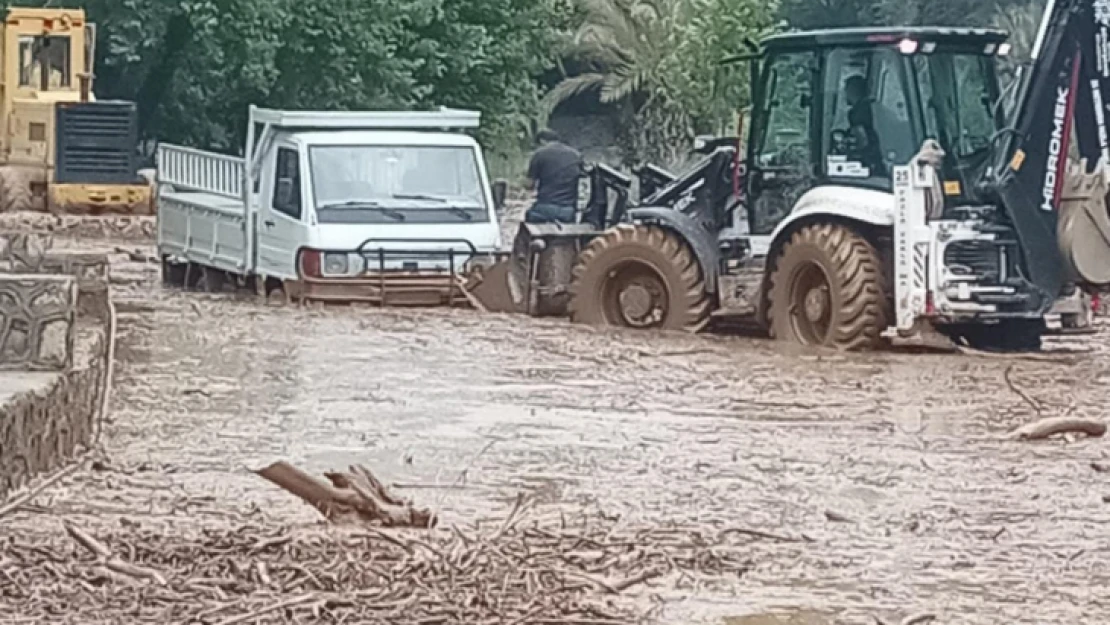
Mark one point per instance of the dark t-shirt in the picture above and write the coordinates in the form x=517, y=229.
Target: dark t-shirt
x=860, y=119
x=556, y=168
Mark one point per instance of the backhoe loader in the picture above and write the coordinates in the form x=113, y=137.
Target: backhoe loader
x=889, y=186
x=60, y=150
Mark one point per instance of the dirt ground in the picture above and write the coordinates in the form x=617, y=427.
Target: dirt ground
x=887, y=472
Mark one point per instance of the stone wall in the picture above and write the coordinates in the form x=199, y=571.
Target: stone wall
x=53, y=354
x=116, y=228
x=37, y=314
x=47, y=426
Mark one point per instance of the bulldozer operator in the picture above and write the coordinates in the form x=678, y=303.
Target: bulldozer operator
x=863, y=140
x=553, y=173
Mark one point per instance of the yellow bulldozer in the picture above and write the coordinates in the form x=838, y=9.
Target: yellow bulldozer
x=61, y=150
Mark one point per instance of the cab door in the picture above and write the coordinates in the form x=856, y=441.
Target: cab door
x=282, y=227
x=781, y=163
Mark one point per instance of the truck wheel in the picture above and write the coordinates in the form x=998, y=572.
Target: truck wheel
x=173, y=274
x=639, y=277
x=212, y=280
x=828, y=289
x=15, y=190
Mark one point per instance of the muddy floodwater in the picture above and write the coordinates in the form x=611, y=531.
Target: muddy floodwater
x=889, y=472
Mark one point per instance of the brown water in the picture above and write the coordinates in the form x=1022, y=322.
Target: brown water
x=891, y=464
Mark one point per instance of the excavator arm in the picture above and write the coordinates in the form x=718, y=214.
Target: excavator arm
x=1056, y=207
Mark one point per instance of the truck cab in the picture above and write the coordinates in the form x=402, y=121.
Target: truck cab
x=340, y=205
x=371, y=206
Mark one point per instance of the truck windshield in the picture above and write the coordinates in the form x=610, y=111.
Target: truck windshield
x=370, y=184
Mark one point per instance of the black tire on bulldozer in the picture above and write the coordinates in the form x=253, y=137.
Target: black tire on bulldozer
x=15, y=191
x=639, y=277
x=828, y=289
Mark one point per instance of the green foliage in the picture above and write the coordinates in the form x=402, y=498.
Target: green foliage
x=661, y=60
x=817, y=14
x=193, y=66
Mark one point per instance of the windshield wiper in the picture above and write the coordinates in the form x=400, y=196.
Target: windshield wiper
x=418, y=196
x=353, y=204
x=461, y=212
x=454, y=210
x=396, y=215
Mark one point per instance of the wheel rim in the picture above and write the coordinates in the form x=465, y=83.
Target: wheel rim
x=635, y=296
x=811, y=304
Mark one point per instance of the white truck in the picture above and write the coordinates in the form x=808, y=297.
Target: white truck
x=388, y=208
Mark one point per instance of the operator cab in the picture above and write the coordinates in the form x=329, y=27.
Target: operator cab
x=844, y=107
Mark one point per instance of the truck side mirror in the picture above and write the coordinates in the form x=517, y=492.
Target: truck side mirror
x=500, y=193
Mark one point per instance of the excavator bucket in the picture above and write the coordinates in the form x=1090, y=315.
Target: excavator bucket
x=1083, y=230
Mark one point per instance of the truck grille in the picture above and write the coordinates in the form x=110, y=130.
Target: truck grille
x=978, y=258
x=95, y=143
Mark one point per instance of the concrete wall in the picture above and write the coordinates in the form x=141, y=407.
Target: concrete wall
x=53, y=354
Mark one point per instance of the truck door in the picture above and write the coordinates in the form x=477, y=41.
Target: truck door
x=781, y=166
x=282, y=216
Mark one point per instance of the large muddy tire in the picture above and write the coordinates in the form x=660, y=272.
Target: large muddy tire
x=639, y=277
x=15, y=191
x=828, y=289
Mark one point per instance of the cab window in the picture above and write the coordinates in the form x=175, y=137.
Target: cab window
x=785, y=128
x=44, y=62
x=782, y=143
x=287, y=183
x=866, y=114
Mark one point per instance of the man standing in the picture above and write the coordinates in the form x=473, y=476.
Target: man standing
x=554, y=172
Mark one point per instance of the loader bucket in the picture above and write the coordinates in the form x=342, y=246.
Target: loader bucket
x=1083, y=232
x=535, y=277
x=491, y=290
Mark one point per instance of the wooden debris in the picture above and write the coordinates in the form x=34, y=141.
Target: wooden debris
x=526, y=569
x=836, y=517
x=105, y=558
x=253, y=615
x=355, y=496
x=25, y=498
x=1039, y=430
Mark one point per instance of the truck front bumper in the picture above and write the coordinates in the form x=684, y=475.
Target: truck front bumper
x=404, y=278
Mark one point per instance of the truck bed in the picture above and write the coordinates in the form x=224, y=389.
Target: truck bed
x=201, y=215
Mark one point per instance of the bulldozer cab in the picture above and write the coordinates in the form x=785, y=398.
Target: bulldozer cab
x=844, y=107
x=46, y=50
x=46, y=60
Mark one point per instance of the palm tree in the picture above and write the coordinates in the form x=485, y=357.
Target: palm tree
x=626, y=47
x=624, y=43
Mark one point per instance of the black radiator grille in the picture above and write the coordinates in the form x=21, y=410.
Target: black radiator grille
x=980, y=258
x=95, y=143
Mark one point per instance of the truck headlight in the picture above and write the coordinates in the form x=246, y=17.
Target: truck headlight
x=335, y=264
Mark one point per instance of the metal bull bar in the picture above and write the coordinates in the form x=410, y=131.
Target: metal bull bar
x=384, y=284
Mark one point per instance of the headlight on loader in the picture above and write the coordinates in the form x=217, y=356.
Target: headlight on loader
x=335, y=264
